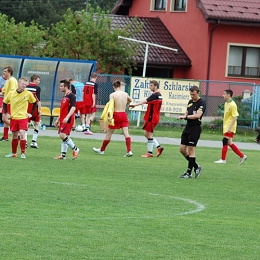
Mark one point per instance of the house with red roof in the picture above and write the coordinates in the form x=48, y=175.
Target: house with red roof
x=217, y=39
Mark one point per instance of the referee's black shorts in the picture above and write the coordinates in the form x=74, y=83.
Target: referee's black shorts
x=190, y=135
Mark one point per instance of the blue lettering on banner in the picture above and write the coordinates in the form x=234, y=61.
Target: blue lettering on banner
x=177, y=86
x=143, y=84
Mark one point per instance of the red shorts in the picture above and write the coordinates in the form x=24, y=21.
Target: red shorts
x=149, y=126
x=8, y=109
x=35, y=117
x=120, y=120
x=230, y=135
x=65, y=128
x=18, y=124
x=80, y=108
x=90, y=109
x=1, y=102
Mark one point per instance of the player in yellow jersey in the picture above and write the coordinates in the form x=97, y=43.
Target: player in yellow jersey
x=229, y=128
x=19, y=100
x=10, y=84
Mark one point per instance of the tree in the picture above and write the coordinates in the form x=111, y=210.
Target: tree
x=47, y=12
x=90, y=36
x=19, y=39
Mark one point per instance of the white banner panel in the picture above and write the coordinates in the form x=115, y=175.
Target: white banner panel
x=175, y=93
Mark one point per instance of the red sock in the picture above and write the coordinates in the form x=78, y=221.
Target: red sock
x=6, y=129
x=224, y=152
x=128, y=144
x=104, y=145
x=236, y=150
x=14, y=145
x=23, y=145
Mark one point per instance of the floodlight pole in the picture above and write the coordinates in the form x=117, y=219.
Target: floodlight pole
x=145, y=58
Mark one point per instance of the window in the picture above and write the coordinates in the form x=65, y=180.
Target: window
x=179, y=5
x=244, y=61
x=159, y=5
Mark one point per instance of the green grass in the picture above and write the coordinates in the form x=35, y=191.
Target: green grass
x=110, y=207
x=174, y=131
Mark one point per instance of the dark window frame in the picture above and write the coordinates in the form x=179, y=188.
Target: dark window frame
x=243, y=63
x=183, y=6
x=160, y=5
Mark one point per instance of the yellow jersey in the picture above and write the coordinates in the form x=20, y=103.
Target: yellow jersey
x=9, y=85
x=230, y=111
x=19, y=103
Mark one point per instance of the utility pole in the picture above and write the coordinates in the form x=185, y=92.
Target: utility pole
x=147, y=44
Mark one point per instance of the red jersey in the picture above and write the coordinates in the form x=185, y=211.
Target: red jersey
x=90, y=88
x=36, y=91
x=152, y=113
x=68, y=101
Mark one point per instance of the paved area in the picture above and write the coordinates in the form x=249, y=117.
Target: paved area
x=161, y=140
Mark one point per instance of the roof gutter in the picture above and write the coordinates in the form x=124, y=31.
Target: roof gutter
x=210, y=48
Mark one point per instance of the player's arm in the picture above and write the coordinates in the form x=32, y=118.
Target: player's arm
x=93, y=100
x=84, y=94
x=33, y=109
x=73, y=89
x=129, y=100
x=138, y=104
x=71, y=112
x=5, y=108
x=4, y=88
x=39, y=104
x=194, y=116
x=56, y=123
x=232, y=124
x=183, y=116
x=5, y=102
x=72, y=108
x=94, y=95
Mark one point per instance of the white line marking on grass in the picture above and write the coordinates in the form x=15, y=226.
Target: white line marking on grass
x=199, y=206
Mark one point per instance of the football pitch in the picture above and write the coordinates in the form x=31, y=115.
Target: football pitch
x=110, y=207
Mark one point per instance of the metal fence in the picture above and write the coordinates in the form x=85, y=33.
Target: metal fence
x=246, y=95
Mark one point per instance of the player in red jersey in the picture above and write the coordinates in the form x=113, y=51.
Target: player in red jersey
x=89, y=97
x=77, y=89
x=151, y=118
x=36, y=91
x=66, y=120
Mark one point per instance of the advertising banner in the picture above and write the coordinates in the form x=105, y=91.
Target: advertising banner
x=175, y=93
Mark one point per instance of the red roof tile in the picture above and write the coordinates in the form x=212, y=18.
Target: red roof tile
x=236, y=11
x=154, y=31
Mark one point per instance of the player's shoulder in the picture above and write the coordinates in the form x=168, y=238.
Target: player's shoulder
x=70, y=95
x=202, y=101
x=12, y=79
x=90, y=83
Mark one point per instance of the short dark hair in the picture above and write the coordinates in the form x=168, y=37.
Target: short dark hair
x=229, y=92
x=194, y=88
x=93, y=75
x=34, y=77
x=9, y=69
x=155, y=83
x=117, y=84
x=66, y=83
